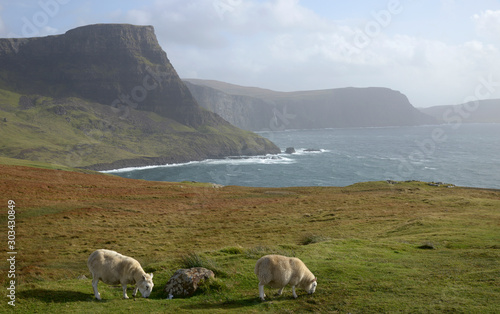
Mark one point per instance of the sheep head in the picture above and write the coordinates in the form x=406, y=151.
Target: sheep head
x=145, y=286
x=312, y=286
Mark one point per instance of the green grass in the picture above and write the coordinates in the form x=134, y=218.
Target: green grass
x=76, y=133
x=39, y=164
x=312, y=238
x=354, y=276
x=192, y=260
x=363, y=242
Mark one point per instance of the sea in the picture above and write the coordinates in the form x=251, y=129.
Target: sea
x=458, y=154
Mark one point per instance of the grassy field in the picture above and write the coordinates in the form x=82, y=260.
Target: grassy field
x=375, y=247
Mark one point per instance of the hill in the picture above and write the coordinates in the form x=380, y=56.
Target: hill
x=375, y=247
x=482, y=111
x=255, y=109
x=110, y=90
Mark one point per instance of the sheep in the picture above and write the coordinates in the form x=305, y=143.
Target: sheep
x=114, y=268
x=277, y=271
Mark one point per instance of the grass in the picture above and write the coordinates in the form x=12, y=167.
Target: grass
x=76, y=133
x=312, y=238
x=43, y=165
x=193, y=259
x=363, y=242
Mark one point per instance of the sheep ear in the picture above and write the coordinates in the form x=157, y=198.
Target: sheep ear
x=151, y=275
x=143, y=277
x=315, y=279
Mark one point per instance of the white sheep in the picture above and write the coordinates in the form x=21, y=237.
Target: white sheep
x=277, y=271
x=114, y=268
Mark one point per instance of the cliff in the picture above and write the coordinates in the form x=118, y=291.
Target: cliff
x=331, y=108
x=246, y=112
x=102, y=63
x=482, y=111
x=124, y=68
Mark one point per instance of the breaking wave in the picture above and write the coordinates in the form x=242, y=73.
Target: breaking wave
x=236, y=160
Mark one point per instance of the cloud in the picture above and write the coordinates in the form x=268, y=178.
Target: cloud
x=282, y=45
x=139, y=17
x=188, y=23
x=488, y=24
x=2, y=25
x=48, y=30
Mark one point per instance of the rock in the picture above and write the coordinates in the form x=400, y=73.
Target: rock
x=312, y=150
x=185, y=281
x=290, y=150
x=59, y=110
x=25, y=102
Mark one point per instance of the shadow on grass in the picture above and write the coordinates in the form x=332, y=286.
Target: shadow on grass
x=57, y=296
x=231, y=304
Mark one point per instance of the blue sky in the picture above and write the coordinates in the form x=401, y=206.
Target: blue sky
x=435, y=52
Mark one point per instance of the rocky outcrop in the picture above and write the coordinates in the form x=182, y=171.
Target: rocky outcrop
x=185, y=282
x=259, y=109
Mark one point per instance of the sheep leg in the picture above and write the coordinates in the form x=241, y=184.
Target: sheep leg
x=94, y=286
x=135, y=291
x=124, y=286
x=280, y=291
x=261, y=292
x=293, y=291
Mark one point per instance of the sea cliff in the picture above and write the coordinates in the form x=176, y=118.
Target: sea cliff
x=101, y=79
x=258, y=109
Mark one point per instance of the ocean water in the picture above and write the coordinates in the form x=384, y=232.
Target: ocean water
x=461, y=154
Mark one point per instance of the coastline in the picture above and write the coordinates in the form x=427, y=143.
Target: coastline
x=159, y=162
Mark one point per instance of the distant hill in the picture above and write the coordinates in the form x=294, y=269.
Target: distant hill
x=484, y=111
x=257, y=109
x=111, y=89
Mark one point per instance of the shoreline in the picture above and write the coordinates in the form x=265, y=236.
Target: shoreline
x=157, y=162
x=280, y=156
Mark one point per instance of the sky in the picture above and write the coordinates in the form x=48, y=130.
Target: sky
x=436, y=52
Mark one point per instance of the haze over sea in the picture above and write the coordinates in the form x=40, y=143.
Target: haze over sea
x=460, y=154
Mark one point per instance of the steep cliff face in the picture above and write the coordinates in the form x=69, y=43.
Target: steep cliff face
x=121, y=79
x=246, y=112
x=331, y=108
x=116, y=64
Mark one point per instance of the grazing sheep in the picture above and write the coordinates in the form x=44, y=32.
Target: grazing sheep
x=113, y=268
x=277, y=271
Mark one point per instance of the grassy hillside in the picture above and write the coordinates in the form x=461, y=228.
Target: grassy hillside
x=77, y=133
x=375, y=247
